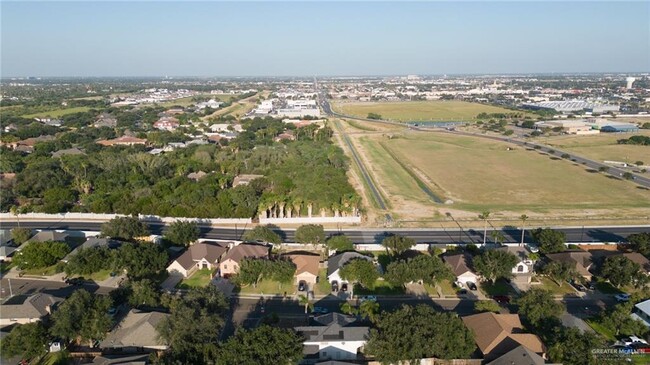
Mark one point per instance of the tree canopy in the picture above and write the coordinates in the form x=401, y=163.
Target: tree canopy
x=549, y=240
x=414, y=333
x=340, y=242
x=182, y=233
x=620, y=270
x=310, y=233
x=251, y=271
x=429, y=269
x=397, y=244
x=82, y=315
x=640, y=242
x=38, y=255
x=495, y=264
x=263, y=345
x=360, y=271
x=537, y=305
x=125, y=228
x=27, y=340
x=560, y=272
x=263, y=233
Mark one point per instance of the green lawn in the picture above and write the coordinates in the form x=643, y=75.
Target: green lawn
x=199, y=279
x=56, y=113
x=436, y=110
x=499, y=287
x=54, y=358
x=268, y=287
x=381, y=288
x=607, y=288
x=599, y=328
x=44, y=271
x=100, y=275
x=447, y=288
x=323, y=286
x=550, y=285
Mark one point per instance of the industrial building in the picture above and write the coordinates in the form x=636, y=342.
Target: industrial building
x=569, y=106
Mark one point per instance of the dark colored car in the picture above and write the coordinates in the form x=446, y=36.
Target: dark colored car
x=462, y=291
x=75, y=281
x=302, y=286
x=335, y=286
x=501, y=299
x=344, y=287
x=471, y=285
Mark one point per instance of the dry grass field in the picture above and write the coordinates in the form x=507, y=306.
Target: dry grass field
x=603, y=147
x=435, y=110
x=478, y=174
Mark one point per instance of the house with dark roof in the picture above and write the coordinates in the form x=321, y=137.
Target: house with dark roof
x=203, y=255
x=105, y=120
x=67, y=152
x=336, y=262
x=520, y=355
x=498, y=334
x=21, y=309
x=136, y=333
x=581, y=260
x=44, y=236
x=459, y=264
x=333, y=336
x=232, y=260
x=93, y=242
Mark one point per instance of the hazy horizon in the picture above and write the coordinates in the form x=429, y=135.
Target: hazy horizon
x=328, y=39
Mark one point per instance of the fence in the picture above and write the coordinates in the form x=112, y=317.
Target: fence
x=308, y=220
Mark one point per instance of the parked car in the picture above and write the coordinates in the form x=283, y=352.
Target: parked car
x=622, y=297
x=592, y=286
x=471, y=285
x=372, y=298
x=319, y=310
x=458, y=284
x=503, y=299
x=462, y=291
x=75, y=281
x=335, y=286
x=302, y=286
x=344, y=287
x=632, y=341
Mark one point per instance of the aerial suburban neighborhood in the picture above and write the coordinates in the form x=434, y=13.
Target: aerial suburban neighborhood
x=325, y=183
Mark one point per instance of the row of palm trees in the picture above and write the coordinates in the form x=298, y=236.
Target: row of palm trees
x=281, y=206
x=496, y=235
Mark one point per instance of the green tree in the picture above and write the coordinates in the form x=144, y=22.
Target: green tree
x=572, y=346
x=144, y=292
x=251, y=271
x=20, y=235
x=195, y=321
x=369, y=309
x=83, y=315
x=340, y=242
x=125, y=228
x=303, y=300
x=38, y=255
x=628, y=176
x=58, y=199
x=619, y=321
x=640, y=242
x=282, y=271
x=537, y=305
x=486, y=306
x=414, y=333
x=264, y=345
x=549, y=240
x=360, y=271
x=348, y=308
x=374, y=116
x=484, y=216
x=620, y=270
x=559, y=272
x=310, y=233
x=26, y=340
x=494, y=264
x=263, y=233
x=397, y=244
x=142, y=260
x=182, y=233
x=90, y=260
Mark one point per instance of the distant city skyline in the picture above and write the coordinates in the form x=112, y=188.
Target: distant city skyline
x=211, y=39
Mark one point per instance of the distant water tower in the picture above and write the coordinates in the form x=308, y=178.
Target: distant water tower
x=630, y=81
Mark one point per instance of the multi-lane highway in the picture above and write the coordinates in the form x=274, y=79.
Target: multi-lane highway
x=372, y=235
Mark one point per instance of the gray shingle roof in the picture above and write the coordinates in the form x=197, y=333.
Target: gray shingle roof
x=243, y=250
x=519, y=356
x=23, y=306
x=94, y=242
x=44, y=236
x=337, y=261
x=333, y=327
x=137, y=329
x=198, y=251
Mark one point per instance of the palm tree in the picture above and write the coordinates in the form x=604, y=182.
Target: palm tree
x=497, y=236
x=484, y=216
x=303, y=300
x=15, y=211
x=523, y=222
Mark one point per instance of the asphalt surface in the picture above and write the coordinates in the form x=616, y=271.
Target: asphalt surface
x=374, y=235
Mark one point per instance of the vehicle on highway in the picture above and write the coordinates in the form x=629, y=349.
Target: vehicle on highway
x=503, y=299
x=471, y=286
x=302, y=286
x=621, y=298
x=319, y=310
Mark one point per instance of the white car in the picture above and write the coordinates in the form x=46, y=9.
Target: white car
x=622, y=297
x=632, y=341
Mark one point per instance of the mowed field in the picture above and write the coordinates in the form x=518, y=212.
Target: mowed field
x=478, y=174
x=404, y=111
x=56, y=113
x=603, y=147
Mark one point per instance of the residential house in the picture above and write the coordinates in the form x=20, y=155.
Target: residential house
x=67, y=152
x=333, y=336
x=336, y=262
x=582, y=261
x=244, y=179
x=232, y=260
x=5, y=237
x=93, y=242
x=286, y=136
x=641, y=312
x=523, y=270
x=196, y=176
x=639, y=259
x=21, y=309
x=306, y=267
x=123, y=141
x=520, y=355
x=203, y=255
x=6, y=252
x=105, y=120
x=136, y=333
x=460, y=267
x=44, y=236
x=27, y=145
x=167, y=124
x=498, y=334
x=128, y=359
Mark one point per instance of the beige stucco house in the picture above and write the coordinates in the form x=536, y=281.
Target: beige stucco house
x=230, y=263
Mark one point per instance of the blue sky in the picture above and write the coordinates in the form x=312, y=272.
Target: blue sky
x=321, y=38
